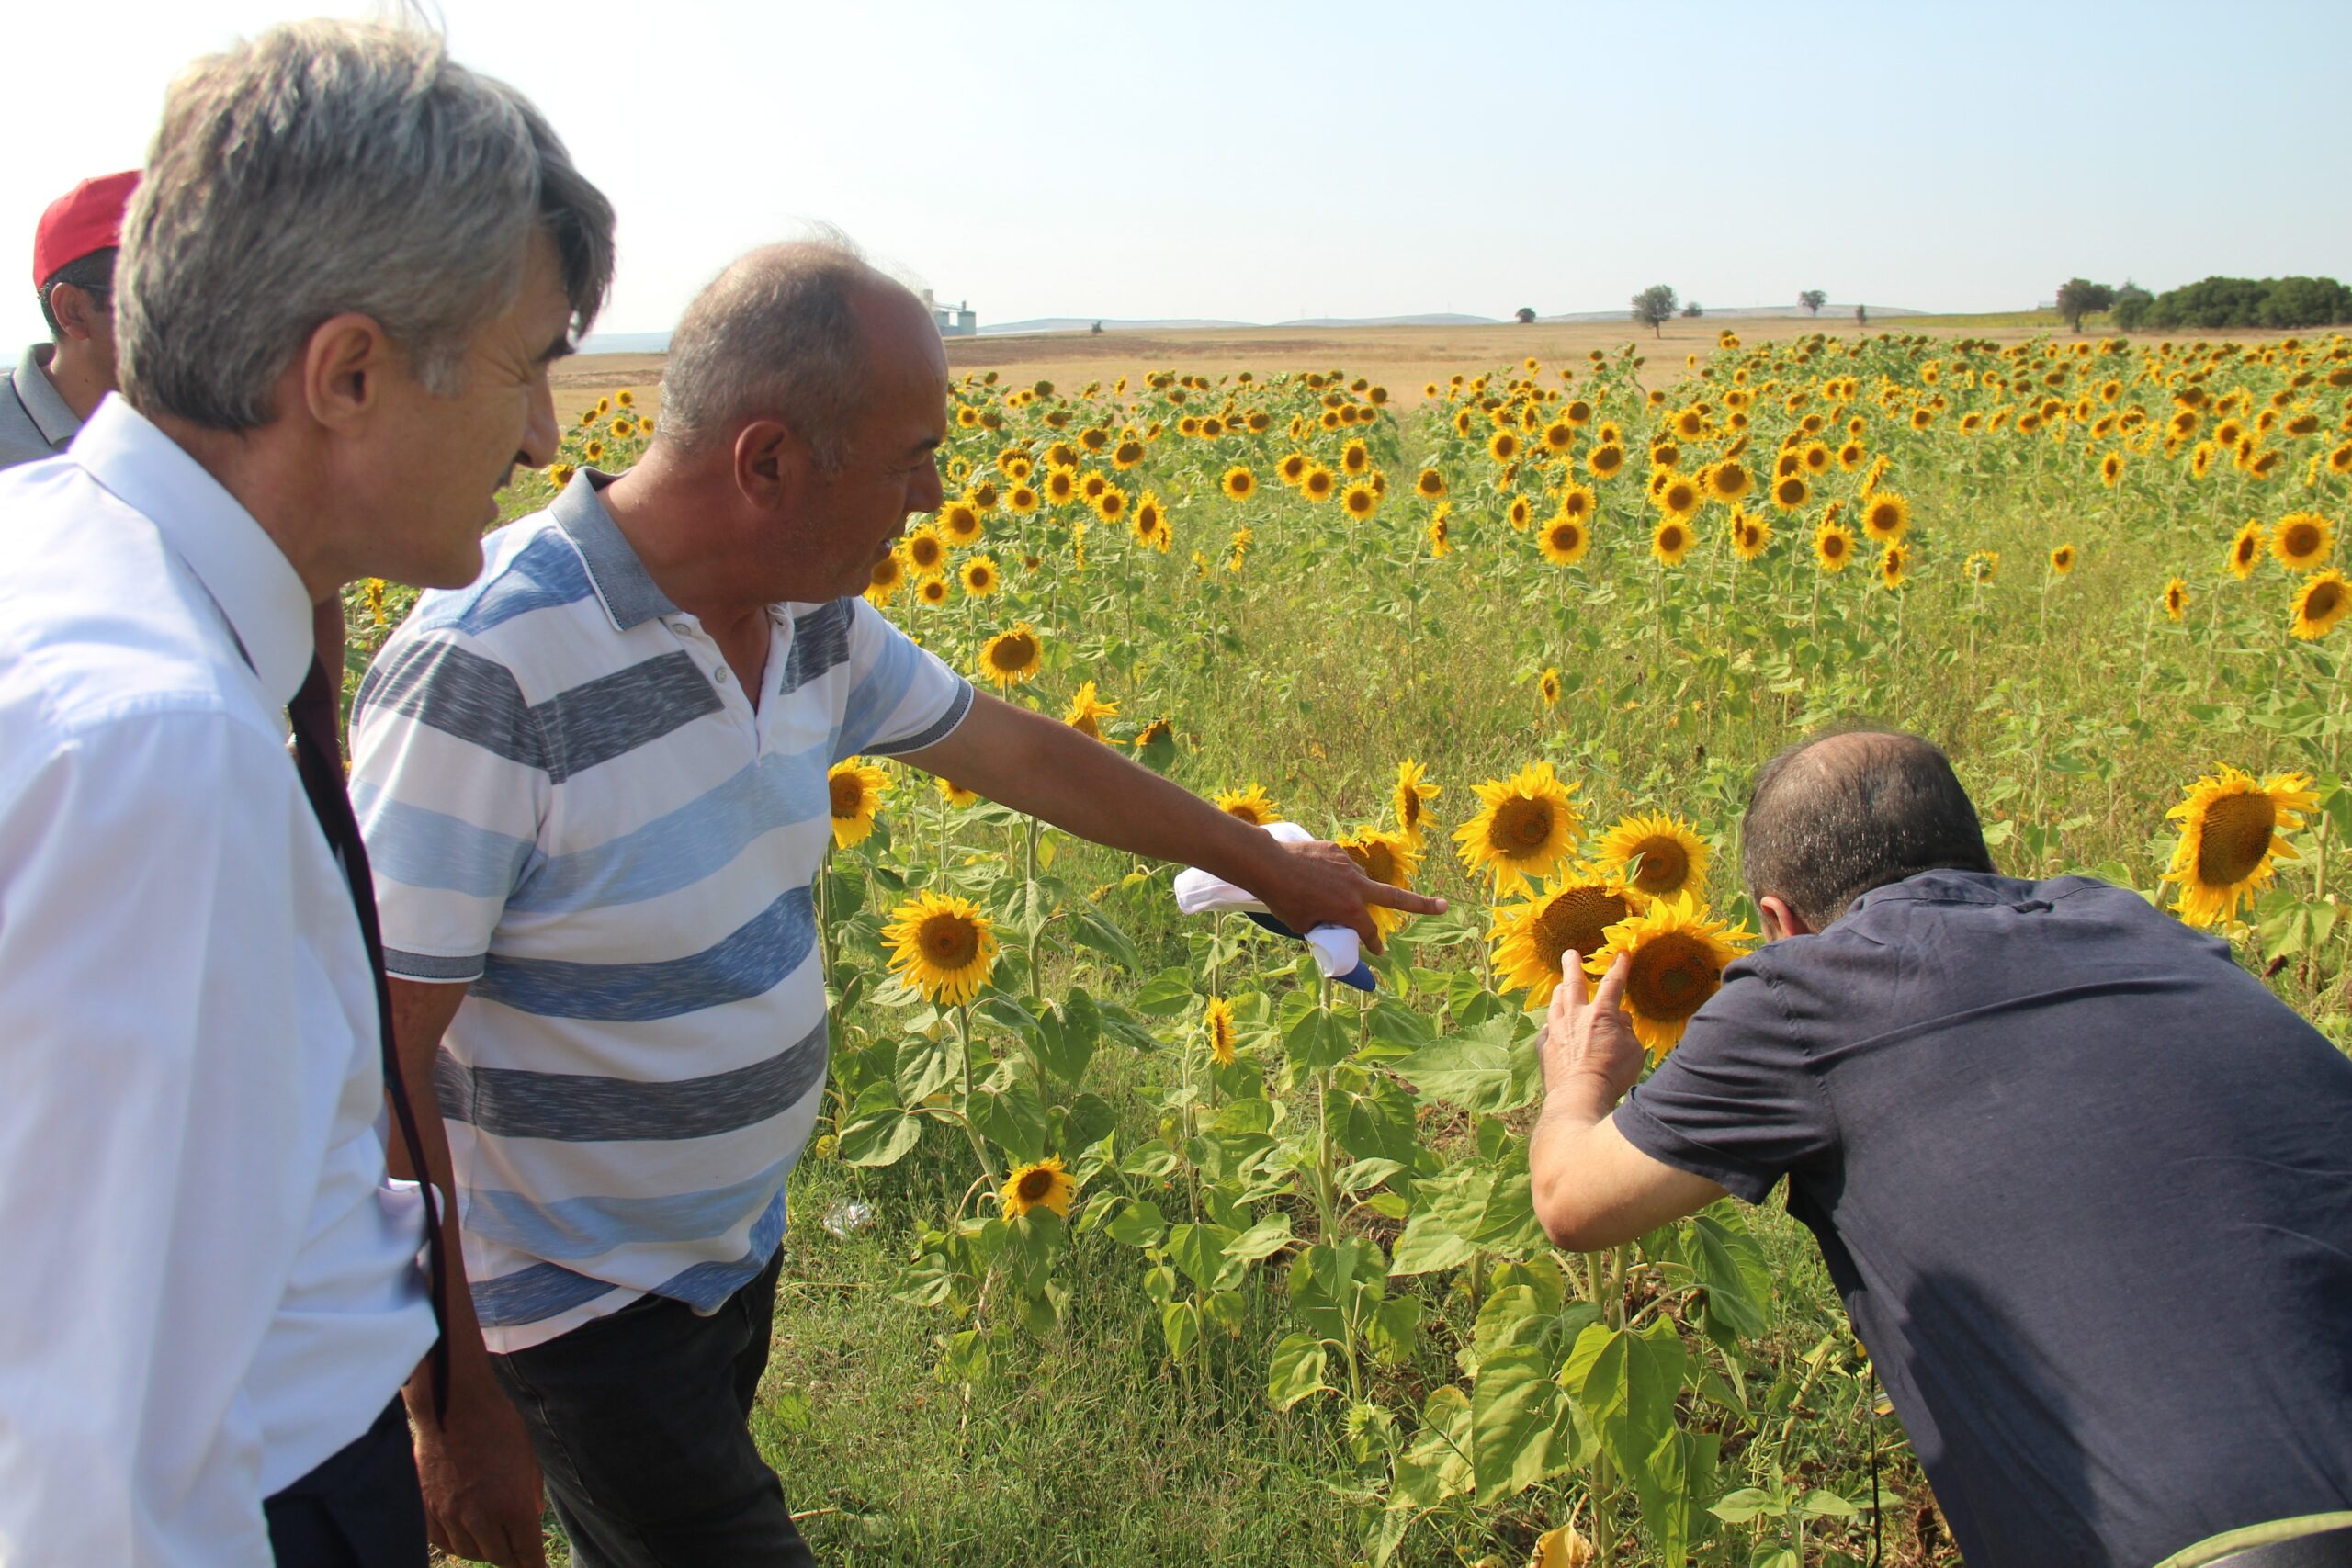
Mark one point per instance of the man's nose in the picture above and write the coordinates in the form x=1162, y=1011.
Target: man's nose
x=541, y=438
x=929, y=493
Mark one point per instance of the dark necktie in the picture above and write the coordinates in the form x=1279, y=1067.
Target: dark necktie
x=316, y=753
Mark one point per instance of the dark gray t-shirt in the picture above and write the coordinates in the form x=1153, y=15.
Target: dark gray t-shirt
x=2085, y=1185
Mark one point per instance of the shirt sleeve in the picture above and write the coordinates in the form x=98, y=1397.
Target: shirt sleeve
x=450, y=783
x=151, y=1206
x=901, y=697
x=1738, y=1100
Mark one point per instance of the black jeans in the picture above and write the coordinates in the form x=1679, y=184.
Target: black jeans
x=360, y=1509
x=638, y=1421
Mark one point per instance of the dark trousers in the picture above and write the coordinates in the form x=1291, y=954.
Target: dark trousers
x=639, y=1423
x=360, y=1509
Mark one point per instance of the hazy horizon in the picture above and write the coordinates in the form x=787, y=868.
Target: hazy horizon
x=1263, y=164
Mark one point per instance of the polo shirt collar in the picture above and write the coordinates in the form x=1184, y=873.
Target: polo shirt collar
x=239, y=565
x=623, y=586
x=55, y=422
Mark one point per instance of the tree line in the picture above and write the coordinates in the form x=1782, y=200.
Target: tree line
x=2214, y=302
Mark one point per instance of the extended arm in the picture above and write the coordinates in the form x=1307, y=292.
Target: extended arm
x=1050, y=771
x=1592, y=1188
x=481, y=1482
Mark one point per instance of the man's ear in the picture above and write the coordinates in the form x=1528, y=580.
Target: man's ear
x=1779, y=920
x=77, y=310
x=770, y=462
x=343, y=367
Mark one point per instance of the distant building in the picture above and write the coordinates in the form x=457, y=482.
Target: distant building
x=952, y=321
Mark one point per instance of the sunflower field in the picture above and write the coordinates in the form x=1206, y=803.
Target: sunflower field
x=1128, y=1237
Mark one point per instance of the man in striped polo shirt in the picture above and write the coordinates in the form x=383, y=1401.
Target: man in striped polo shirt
x=593, y=787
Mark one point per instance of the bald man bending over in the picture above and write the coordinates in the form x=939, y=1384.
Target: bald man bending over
x=2083, y=1182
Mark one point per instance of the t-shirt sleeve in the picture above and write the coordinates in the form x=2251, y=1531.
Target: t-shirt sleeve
x=1738, y=1100
x=450, y=782
x=901, y=697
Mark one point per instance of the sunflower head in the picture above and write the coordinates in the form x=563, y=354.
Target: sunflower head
x=1388, y=858
x=1217, y=1029
x=1525, y=827
x=1251, y=803
x=2245, y=550
x=1011, y=657
x=981, y=577
x=2324, y=599
x=1413, y=795
x=1659, y=856
x=2229, y=828
x=1833, y=546
x=2176, y=598
x=1885, y=515
x=954, y=793
x=1429, y=485
x=1548, y=685
x=1360, y=500
x=2062, y=559
x=1044, y=1185
x=959, y=522
x=1670, y=541
x=1240, y=483
x=1086, y=711
x=2301, y=540
x=1677, y=957
x=857, y=792
x=941, y=945
x=1571, y=915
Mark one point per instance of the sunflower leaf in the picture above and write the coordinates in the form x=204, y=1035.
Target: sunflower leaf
x=1296, y=1371
x=1090, y=930
x=1522, y=1427
x=1012, y=1118
x=1479, y=1069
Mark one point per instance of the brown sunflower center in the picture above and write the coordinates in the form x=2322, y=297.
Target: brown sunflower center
x=1521, y=826
x=1672, y=975
x=1669, y=539
x=1247, y=812
x=1410, y=806
x=1376, y=860
x=1579, y=919
x=2235, y=837
x=848, y=792
x=924, y=550
x=2299, y=540
x=1013, y=652
x=1035, y=1185
x=949, y=940
x=1666, y=864
x=2324, y=599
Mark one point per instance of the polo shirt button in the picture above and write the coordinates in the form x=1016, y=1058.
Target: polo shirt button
x=720, y=674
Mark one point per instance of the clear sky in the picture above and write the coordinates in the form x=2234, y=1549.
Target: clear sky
x=1275, y=159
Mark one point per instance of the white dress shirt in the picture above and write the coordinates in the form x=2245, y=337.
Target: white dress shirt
x=207, y=1284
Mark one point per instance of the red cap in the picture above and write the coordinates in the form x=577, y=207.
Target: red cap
x=87, y=218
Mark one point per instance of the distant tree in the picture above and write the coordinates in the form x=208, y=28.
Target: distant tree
x=1861, y=315
x=1527, y=315
x=2209, y=302
x=1654, y=306
x=1692, y=309
x=1813, y=300
x=2131, y=307
x=1097, y=327
x=2304, y=302
x=2078, y=297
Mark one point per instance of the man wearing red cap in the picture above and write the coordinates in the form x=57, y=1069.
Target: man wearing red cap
x=57, y=384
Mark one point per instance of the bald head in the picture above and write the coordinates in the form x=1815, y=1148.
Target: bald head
x=801, y=332
x=1835, y=815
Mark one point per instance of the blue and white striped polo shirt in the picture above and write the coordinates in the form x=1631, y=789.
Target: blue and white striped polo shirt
x=571, y=805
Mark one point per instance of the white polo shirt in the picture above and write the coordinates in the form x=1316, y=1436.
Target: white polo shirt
x=212, y=1287
x=571, y=805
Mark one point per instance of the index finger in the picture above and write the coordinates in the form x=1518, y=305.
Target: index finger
x=1403, y=898
x=1611, y=998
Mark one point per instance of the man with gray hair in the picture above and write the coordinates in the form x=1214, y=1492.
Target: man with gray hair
x=595, y=782
x=341, y=283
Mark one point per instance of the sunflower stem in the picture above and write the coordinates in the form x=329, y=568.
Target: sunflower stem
x=964, y=1110
x=1029, y=882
